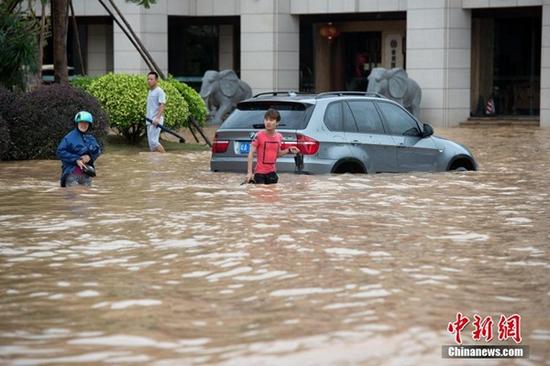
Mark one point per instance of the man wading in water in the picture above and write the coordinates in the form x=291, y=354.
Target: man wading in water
x=267, y=144
x=156, y=100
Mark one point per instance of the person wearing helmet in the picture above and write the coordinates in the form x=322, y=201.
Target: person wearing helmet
x=78, y=151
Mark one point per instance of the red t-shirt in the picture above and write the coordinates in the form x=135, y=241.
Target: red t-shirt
x=267, y=150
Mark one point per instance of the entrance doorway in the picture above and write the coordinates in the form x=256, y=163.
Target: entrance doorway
x=506, y=53
x=363, y=52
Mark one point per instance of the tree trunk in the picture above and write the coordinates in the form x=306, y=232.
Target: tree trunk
x=59, y=25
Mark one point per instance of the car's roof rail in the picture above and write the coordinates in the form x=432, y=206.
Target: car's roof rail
x=348, y=93
x=290, y=93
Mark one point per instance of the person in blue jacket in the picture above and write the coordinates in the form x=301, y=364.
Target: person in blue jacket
x=78, y=151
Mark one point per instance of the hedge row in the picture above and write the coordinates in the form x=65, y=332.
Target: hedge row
x=33, y=124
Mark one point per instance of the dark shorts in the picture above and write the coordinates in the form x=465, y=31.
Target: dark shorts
x=269, y=178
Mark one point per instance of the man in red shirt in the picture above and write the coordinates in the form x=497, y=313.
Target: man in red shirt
x=267, y=145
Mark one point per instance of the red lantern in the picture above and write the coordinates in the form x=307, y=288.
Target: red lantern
x=329, y=31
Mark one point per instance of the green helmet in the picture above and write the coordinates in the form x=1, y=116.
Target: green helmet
x=84, y=116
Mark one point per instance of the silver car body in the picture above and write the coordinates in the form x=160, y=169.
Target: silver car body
x=352, y=132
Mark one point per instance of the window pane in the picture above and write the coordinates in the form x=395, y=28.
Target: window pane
x=333, y=116
x=366, y=116
x=398, y=121
x=349, y=121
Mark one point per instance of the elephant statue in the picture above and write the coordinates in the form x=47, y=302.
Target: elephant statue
x=222, y=91
x=397, y=86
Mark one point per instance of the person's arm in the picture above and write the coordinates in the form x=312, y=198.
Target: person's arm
x=290, y=150
x=162, y=106
x=159, y=115
x=249, y=172
x=65, y=155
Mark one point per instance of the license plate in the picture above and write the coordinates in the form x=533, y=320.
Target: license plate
x=244, y=148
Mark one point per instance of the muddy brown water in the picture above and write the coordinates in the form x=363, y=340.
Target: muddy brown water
x=164, y=263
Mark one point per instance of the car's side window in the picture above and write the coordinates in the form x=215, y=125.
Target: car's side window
x=398, y=121
x=367, y=117
x=349, y=121
x=333, y=116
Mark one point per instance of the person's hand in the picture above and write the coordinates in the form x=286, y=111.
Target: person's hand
x=85, y=159
x=81, y=164
x=293, y=150
x=249, y=177
x=156, y=121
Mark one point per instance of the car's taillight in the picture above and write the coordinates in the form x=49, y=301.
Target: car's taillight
x=305, y=144
x=220, y=146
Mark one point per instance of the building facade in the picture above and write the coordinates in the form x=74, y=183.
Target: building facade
x=466, y=55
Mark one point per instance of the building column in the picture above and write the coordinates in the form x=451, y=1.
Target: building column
x=438, y=58
x=545, y=67
x=151, y=26
x=270, y=45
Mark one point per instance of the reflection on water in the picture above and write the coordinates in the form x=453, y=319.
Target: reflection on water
x=164, y=262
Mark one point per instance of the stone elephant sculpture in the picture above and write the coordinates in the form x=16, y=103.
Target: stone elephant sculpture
x=222, y=91
x=396, y=85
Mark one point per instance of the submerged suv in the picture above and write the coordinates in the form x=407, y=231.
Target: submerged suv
x=338, y=132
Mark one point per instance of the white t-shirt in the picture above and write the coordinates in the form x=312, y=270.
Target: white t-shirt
x=155, y=98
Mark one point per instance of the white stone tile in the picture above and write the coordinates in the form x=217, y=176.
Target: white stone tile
x=299, y=6
x=426, y=4
x=318, y=6
x=289, y=60
x=127, y=60
x=433, y=116
x=428, y=78
x=225, y=7
x=154, y=23
x=460, y=38
x=179, y=7
x=257, y=23
x=288, y=80
x=425, y=38
x=459, y=58
x=545, y=117
x=425, y=19
x=257, y=6
x=545, y=78
x=258, y=79
x=460, y=18
x=403, y=5
x=502, y=3
x=341, y=6
x=258, y=60
x=205, y=7
x=288, y=42
x=530, y=2
x=545, y=57
x=121, y=42
x=458, y=98
x=366, y=6
x=473, y=4
x=425, y=59
x=432, y=98
x=257, y=42
x=459, y=78
x=155, y=42
x=288, y=23
x=545, y=41
x=388, y=5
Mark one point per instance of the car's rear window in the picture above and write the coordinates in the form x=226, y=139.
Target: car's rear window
x=250, y=115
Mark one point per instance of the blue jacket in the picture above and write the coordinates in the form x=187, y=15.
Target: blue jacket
x=72, y=147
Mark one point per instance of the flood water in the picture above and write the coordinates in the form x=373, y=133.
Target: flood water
x=164, y=263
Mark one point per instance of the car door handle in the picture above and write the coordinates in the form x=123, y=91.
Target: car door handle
x=401, y=146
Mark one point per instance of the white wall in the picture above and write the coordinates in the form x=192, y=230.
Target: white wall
x=545, y=67
x=438, y=58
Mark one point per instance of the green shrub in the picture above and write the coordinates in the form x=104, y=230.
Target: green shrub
x=42, y=117
x=83, y=82
x=124, y=97
x=197, y=108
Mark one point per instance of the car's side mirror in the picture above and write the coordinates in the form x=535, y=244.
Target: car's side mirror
x=427, y=130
